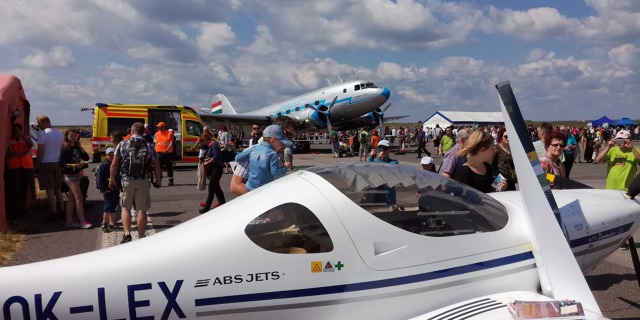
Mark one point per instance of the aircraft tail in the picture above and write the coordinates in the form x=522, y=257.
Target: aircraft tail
x=220, y=105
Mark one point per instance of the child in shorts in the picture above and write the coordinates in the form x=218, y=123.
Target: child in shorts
x=111, y=197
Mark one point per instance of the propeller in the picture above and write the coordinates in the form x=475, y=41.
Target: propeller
x=380, y=114
x=327, y=112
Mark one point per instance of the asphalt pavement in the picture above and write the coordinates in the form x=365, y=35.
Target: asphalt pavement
x=613, y=282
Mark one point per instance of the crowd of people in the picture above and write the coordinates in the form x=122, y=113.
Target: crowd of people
x=479, y=157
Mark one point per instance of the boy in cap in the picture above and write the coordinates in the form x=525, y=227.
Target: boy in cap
x=111, y=197
x=382, y=154
x=622, y=159
x=264, y=163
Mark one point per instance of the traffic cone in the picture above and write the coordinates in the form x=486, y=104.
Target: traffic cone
x=402, y=150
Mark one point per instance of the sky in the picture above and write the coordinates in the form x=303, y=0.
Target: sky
x=566, y=59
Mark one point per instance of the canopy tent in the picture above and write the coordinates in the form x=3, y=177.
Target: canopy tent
x=624, y=122
x=14, y=108
x=601, y=121
x=447, y=118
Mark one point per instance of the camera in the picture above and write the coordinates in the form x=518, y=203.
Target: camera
x=619, y=141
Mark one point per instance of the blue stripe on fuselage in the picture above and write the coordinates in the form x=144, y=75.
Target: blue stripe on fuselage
x=370, y=285
x=600, y=235
x=349, y=100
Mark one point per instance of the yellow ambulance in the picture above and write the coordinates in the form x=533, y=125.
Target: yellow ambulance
x=184, y=121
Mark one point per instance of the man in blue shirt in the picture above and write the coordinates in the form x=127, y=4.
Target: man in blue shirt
x=264, y=163
x=382, y=154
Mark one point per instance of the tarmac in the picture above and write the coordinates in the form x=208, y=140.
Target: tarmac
x=613, y=282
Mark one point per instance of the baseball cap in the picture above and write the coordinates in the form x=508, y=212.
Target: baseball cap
x=160, y=124
x=623, y=134
x=110, y=150
x=146, y=125
x=275, y=131
x=426, y=160
x=384, y=143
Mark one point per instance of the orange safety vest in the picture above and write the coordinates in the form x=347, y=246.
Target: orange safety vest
x=163, y=140
x=17, y=162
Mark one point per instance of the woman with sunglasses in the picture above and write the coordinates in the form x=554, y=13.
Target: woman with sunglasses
x=554, y=144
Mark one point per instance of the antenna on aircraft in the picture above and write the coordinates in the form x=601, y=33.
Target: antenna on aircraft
x=328, y=81
x=341, y=81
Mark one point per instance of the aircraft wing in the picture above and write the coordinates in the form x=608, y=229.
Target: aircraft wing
x=235, y=119
x=393, y=118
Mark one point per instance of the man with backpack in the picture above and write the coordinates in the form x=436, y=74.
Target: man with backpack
x=363, y=138
x=134, y=159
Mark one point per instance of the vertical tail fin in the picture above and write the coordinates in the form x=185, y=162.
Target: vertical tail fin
x=560, y=275
x=220, y=104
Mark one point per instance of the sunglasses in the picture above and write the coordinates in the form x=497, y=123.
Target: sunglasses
x=255, y=128
x=557, y=145
x=383, y=148
x=505, y=136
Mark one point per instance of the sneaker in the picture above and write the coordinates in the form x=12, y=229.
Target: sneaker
x=204, y=210
x=105, y=228
x=202, y=204
x=217, y=204
x=170, y=181
x=113, y=227
x=126, y=238
x=86, y=225
x=72, y=225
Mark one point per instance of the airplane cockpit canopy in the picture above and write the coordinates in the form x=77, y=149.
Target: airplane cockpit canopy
x=364, y=85
x=415, y=200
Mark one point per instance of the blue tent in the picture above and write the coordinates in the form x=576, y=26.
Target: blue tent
x=599, y=122
x=624, y=122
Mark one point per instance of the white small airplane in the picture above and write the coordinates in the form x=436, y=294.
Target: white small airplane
x=343, y=105
x=345, y=241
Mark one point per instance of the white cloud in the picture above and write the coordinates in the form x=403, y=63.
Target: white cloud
x=214, y=36
x=57, y=57
x=625, y=55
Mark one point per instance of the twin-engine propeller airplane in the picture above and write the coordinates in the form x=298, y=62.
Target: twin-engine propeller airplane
x=343, y=105
x=340, y=241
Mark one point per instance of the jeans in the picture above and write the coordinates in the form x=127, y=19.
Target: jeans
x=214, y=186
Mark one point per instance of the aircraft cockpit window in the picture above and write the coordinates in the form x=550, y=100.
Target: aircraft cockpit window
x=415, y=200
x=356, y=87
x=289, y=228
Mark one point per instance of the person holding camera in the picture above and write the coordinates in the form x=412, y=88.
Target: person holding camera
x=622, y=160
x=73, y=158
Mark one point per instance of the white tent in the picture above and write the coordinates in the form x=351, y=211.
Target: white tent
x=456, y=118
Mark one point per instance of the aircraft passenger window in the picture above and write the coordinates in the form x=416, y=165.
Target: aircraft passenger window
x=344, y=90
x=289, y=228
x=297, y=109
x=317, y=103
x=288, y=111
x=417, y=201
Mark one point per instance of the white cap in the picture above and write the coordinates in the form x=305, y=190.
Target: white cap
x=623, y=134
x=426, y=160
x=384, y=143
x=110, y=150
x=170, y=130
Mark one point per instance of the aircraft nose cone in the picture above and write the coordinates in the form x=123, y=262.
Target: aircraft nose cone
x=386, y=93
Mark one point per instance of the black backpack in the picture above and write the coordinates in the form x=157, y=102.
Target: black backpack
x=135, y=160
x=363, y=137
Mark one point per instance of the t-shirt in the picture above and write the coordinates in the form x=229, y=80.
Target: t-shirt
x=447, y=143
x=52, y=141
x=480, y=182
x=621, y=168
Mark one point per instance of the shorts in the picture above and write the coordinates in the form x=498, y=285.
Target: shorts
x=241, y=169
x=364, y=148
x=137, y=191
x=49, y=176
x=111, y=201
x=72, y=178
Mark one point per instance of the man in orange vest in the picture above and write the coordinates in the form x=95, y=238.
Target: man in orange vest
x=19, y=167
x=164, y=148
